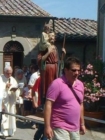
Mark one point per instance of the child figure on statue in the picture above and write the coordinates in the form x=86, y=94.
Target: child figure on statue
x=44, y=41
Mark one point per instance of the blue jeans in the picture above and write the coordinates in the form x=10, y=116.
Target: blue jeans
x=39, y=133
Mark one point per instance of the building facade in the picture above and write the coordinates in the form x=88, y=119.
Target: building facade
x=81, y=36
x=21, y=25
x=101, y=29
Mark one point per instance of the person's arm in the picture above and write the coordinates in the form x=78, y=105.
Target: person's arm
x=44, y=57
x=34, y=100
x=14, y=85
x=30, y=86
x=23, y=93
x=63, y=53
x=51, y=97
x=47, y=118
x=82, y=122
x=31, y=82
x=25, y=81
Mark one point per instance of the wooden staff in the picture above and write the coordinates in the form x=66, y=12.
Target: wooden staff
x=62, y=57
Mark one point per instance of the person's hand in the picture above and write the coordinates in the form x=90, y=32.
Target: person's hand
x=48, y=132
x=8, y=85
x=82, y=130
x=30, y=97
x=26, y=97
x=35, y=105
x=13, y=89
x=64, y=50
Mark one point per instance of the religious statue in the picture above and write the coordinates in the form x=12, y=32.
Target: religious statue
x=48, y=61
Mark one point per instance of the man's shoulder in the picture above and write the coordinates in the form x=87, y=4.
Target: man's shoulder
x=79, y=82
x=35, y=74
x=2, y=75
x=12, y=78
x=54, y=89
x=58, y=80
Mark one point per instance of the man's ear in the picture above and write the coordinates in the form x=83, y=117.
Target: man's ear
x=65, y=69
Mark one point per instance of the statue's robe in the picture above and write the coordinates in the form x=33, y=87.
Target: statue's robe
x=48, y=69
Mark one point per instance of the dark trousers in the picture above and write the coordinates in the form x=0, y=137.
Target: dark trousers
x=40, y=133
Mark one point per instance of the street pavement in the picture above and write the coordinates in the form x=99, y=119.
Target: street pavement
x=24, y=132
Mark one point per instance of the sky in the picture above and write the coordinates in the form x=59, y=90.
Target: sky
x=83, y=9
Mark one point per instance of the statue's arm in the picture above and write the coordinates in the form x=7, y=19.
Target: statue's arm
x=44, y=57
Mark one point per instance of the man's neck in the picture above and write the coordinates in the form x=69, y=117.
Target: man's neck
x=6, y=77
x=70, y=81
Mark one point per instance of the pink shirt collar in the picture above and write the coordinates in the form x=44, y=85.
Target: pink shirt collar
x=65, y=80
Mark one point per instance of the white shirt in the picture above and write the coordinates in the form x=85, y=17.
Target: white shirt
x=33, y=78
x=27, y=91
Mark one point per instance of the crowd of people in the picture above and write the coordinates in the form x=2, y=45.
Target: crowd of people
x=19, y=88
x=28, y=80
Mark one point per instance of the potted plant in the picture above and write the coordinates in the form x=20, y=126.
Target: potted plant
x=93, y=92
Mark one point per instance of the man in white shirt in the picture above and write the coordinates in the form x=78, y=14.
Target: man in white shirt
x=8, y=86
x=35, y=75
x=21, y=80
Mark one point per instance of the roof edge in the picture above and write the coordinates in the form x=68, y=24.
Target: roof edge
x=75, y=19
x=22, y=16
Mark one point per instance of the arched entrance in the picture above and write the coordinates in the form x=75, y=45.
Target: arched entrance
x=13, y=54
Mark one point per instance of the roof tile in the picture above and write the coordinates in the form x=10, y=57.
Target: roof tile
x=75, y=28
x=21, y=8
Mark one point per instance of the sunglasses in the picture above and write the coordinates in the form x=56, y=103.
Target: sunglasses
x=74, y=70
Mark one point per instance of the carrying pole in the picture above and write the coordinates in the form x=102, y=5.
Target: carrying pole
x=62, y=57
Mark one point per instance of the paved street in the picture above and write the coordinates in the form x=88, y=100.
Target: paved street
x=24, y=132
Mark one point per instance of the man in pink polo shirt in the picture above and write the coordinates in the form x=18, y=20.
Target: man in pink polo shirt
x=63, y=109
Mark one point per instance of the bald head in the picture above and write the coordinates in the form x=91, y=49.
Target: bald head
x=7, y=68
x=8, y=71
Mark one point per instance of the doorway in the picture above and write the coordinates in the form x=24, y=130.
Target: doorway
x=18, y=59
x=13, y=54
